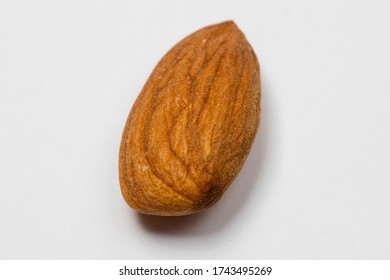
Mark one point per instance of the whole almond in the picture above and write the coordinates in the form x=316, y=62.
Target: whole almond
x=193, y=124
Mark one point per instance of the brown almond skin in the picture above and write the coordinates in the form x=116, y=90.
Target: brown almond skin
x=193, y=124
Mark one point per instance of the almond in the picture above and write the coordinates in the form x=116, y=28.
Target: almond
x=193, y=124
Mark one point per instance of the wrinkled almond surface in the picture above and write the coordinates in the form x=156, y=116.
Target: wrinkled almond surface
x=193, y=124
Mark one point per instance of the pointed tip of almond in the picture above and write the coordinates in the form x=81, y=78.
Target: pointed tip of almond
x=228, y=24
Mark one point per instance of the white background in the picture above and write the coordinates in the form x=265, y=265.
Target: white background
x=315, y=186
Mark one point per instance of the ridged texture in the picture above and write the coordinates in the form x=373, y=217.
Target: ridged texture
x=193, y=124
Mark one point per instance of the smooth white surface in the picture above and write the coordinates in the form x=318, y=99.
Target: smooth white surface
x=315, y=186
